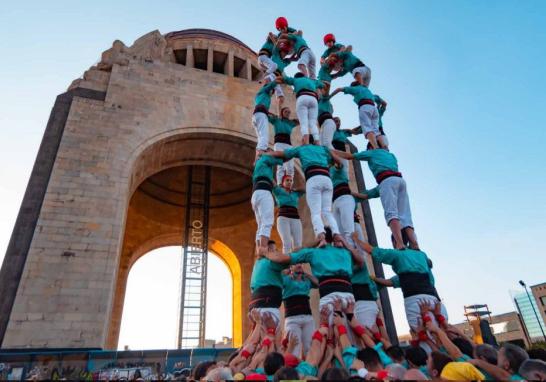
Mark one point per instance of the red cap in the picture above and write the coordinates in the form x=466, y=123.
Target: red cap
x=281, y=22
x=256, y=377
x=329, y=37
x=291, y=360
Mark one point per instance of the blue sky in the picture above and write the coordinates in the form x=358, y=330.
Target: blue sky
x=466, y=118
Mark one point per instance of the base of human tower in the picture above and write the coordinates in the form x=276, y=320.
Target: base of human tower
x=108, y=186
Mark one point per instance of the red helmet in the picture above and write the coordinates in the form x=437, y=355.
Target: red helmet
x=281, y=22
x=329, y=37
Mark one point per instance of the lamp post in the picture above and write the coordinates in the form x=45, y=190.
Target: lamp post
x=532, y=306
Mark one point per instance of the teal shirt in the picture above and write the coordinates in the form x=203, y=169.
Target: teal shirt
x=404, y=261
x=288, y=30
x=325, y=261
x=395, y=281
x=358, y=92
x=310, y=155
x=285, y=198
x=268, y=45
x=335, y=48
x=324, y=73
x=292, y=287
x=324, y=105
x=263, y=97
x=265, y=166
x=281, y=125
x=281, y=63
x=303, y=83
x=379, y=160
x=338, y=176
x=350, y=61
x=299, y=42
x=266, y=273
x=362, y=276
x=516, y=377
x=342, y=135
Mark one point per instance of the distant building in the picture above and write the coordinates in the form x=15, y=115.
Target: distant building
x=539, y=293
x=533, y=324
x=506, y=327
x=226, y=342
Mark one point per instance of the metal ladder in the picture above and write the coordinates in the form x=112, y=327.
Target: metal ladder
x=193, y=290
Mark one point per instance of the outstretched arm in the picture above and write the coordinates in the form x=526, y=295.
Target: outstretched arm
x=278, y=257
x=336, y=158
x=362, y=244
x=496, y=372
x=275, y=154
x=342, y=154
x=451, y=348
x=384, y=282
x=312, y=278
x=338, y=90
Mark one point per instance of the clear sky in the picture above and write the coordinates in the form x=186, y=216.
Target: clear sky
x=465, y=83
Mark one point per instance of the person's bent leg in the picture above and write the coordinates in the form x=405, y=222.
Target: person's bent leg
x=404, y=211
x=293, y=328
x=366, y=312
x=326, y=203
x=266, y=211
x=261, y=125
x=307, y=330
x=297, y=233
x=346, y=207
x=388, y=193
x=365, y=113
x=313, y=117
x=327, y=130
x=302, y=113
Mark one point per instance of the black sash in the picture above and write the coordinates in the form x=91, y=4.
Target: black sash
x=316, y=170
x=413, y=283
x=323, y=117
x=366, y=102
x=266, y=297
x=386, y=174
x=331, y=284
x=260, y=109
x=338, y=145
x=296, y=305
x=289, y=212
x=307, y=92
x=262, y=183
x=282, y=138
x=362, y=292
x=340, y=190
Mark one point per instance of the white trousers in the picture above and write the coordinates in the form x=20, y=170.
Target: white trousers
x=290, y=231
x=270, y=67
x=369, y=119
x=413, y=313
x=263, y=207
x=261, y=125
x=329, y=300
x=365, y=72
x=303, y=327
x=327, y=130
x=288, y=167
x=307, y=58
x=275, y=312
x=366, y=312
x=319, y=191
x=307, y=111
x=395, y=201
x=344, y=208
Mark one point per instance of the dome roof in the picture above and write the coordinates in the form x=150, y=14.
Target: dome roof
x=206, y=34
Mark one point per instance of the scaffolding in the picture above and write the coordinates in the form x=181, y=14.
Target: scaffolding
x=193, y=280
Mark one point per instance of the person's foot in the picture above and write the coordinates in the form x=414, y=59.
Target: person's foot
x=321, y=240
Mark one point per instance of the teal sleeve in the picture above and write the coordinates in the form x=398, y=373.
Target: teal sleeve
x=304, y=368
x=395, y=281
x=373, y=193
x=362, y=155
x=349, y=355
x=272, y=119
x=278, y=267
x=385, y=256
x=272, y=161
x=291, y=153
x=292, y=37
x=385, y=359
x=276, y=190
x=377, y=99
x=288, y=80
x=270, y=86
x=320, y=84
x=463, y=358
x=304, y=255
x=348, y=90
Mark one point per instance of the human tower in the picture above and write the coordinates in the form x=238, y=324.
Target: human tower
x=348, y=294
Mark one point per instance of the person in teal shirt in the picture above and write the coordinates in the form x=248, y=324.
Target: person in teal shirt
x=352, y=64
x=282, y=130
x=326, y=118
x=306, y=104
x=331, y=46
x=266, y=285
x=367, y=112
x=273, y=61
x=262, y=102
x=393, y=193
x=413, y=268
x=381, y=108
x=262, y=199
x=331, y=264
x=288, y=219
x=315, y=161
x=343, y=203
x=297, y=284
x=306, y=57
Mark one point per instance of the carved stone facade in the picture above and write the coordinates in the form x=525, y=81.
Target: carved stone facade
x=107, y=183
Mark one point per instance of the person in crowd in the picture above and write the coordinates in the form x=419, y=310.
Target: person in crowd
x=509, y=360
x=533, y=370
x=262, y=198
x=392, y=192
x=288, y=219
x=262, y=102
x=367, y=111
x=299, y=322
x=282, y=130
x=351, y=64
x=415, y=277
x=306, y=104
x=315, y=161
